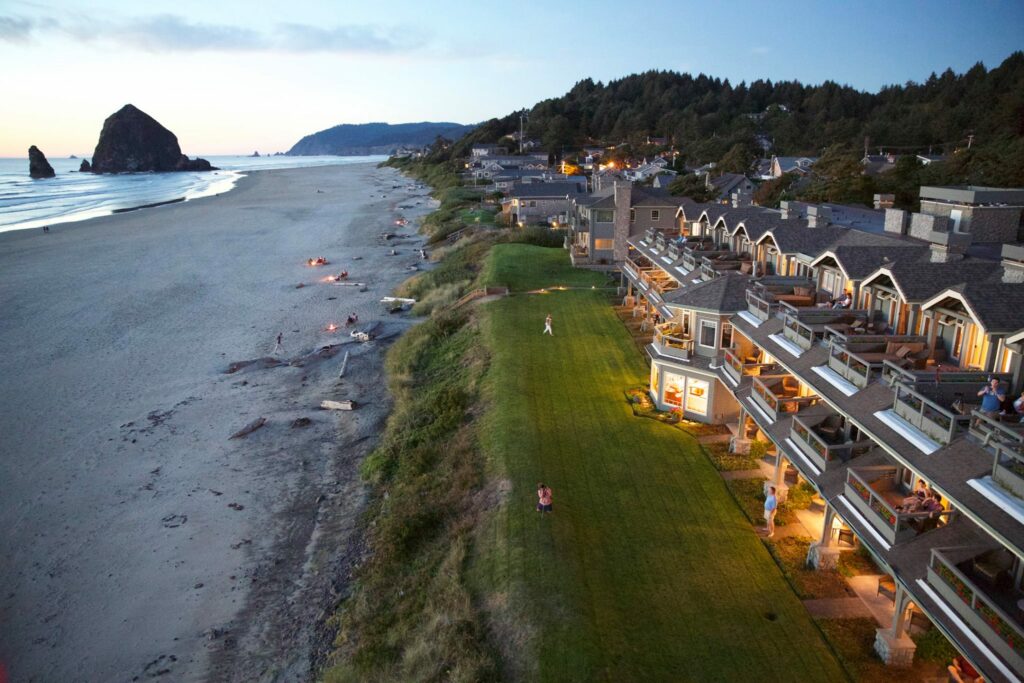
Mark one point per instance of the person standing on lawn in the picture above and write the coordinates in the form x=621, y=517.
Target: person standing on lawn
x=543, y=498
x=771, y=505
x=547, y=326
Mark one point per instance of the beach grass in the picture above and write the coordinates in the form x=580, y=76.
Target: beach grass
x=647, y=569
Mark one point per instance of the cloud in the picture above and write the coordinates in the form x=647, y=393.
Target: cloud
x=173, y=33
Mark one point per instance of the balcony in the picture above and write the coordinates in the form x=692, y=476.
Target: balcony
x=978, y=585
x=876, y=493
x=712, y=267
x=823, y=440
x=925, y=407
x=859, y=362
x=807, y=326
x=1005, y=440
x=635, y=265
x=670, y=340
x=579, y=255
x=737, y=367
x=778, y=395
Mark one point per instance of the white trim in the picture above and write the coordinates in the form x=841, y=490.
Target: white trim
x=953, y=294
x=967, y=631
x=991, y=490
x=907, y=431
x=749, y=318
x=700, y=333
x=666, y=259
x=729, y=378
x=865, y=523
x=835, y=379
x=760, y=412
x=803, y=458
x=788, y=346
x=684, y=271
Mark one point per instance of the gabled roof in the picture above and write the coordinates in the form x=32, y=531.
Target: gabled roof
x=995, y=305
x=859, y=261
x=920, y=279
x=724, y=294
x=652, y=196
x=726, y=182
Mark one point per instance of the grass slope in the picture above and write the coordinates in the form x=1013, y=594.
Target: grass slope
x=647, y=570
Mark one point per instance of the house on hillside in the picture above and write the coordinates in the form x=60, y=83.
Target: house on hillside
x=799, y=165
x=486, y=150
x=927, y=159
x=546, y=203
x=728, y=184
x=658, y=142
x=877, y=164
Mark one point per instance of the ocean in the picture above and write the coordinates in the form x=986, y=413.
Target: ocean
x=73, y=196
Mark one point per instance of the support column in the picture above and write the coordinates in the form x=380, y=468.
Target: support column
x=778, y=479
x=824, y=554
x=893, y=644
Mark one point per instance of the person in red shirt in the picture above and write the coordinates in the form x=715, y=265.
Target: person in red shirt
x=543, y=498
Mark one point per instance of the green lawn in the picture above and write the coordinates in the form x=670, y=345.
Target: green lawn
x=647, y=570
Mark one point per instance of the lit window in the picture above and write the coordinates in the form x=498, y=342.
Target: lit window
x=697, y=397
x=604, y=245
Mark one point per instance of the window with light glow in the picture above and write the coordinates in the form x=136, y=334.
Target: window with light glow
x=697, y=396
x=674, y=387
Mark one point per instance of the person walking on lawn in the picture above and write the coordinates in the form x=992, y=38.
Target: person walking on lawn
x=771, y=505
x=547, y=326
x=543, y=498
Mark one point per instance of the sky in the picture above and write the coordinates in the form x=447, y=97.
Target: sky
x=231, y=77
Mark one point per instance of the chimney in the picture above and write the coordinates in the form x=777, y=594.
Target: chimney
x=884, y=201
x=895, y=219
x=621, y=227
x=818, y=216
x=947, y=247
x=1013, y=264
x=788, y=210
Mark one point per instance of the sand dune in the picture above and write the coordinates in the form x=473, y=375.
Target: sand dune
x=137, y=538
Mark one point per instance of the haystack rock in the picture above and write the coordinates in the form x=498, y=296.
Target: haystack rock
x=84, y=167
x=132, y=140
x=38, y=166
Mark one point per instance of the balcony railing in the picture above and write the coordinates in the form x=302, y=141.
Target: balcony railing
x=736, y=367
x=1006, y=443
x=938, y=422
x=942, y=374
x=859, y=362
x=670, y=340
x=775, y=404
x=760, y=306
x=866, y=488
x=806, y=326
x=807, y=435
x=977, y=607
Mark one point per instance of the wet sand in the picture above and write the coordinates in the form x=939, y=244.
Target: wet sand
x=138, y=540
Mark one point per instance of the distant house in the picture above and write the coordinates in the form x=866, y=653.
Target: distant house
x=927, y=159
x=660, y=142
x=799, y=165
x=647, y=171
x=705, y=169
x=877, y=164
x=486, y=150
x=763, y=169
x=490, y=167
x=729, y=183
x=530, y=203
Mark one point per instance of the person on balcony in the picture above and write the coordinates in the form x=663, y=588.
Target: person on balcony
x=991, y=398
x=845, y=301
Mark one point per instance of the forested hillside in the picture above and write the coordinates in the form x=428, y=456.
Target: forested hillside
x=708, y=117
x=374, y=138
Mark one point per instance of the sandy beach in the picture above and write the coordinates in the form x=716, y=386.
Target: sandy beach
x=139, y=541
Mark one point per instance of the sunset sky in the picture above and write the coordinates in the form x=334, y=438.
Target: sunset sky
x=227, y=78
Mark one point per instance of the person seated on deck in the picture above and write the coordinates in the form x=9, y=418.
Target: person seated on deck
x=842, y=302
x=911, y=503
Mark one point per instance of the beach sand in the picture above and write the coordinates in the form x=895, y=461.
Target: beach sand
x=138, y=540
